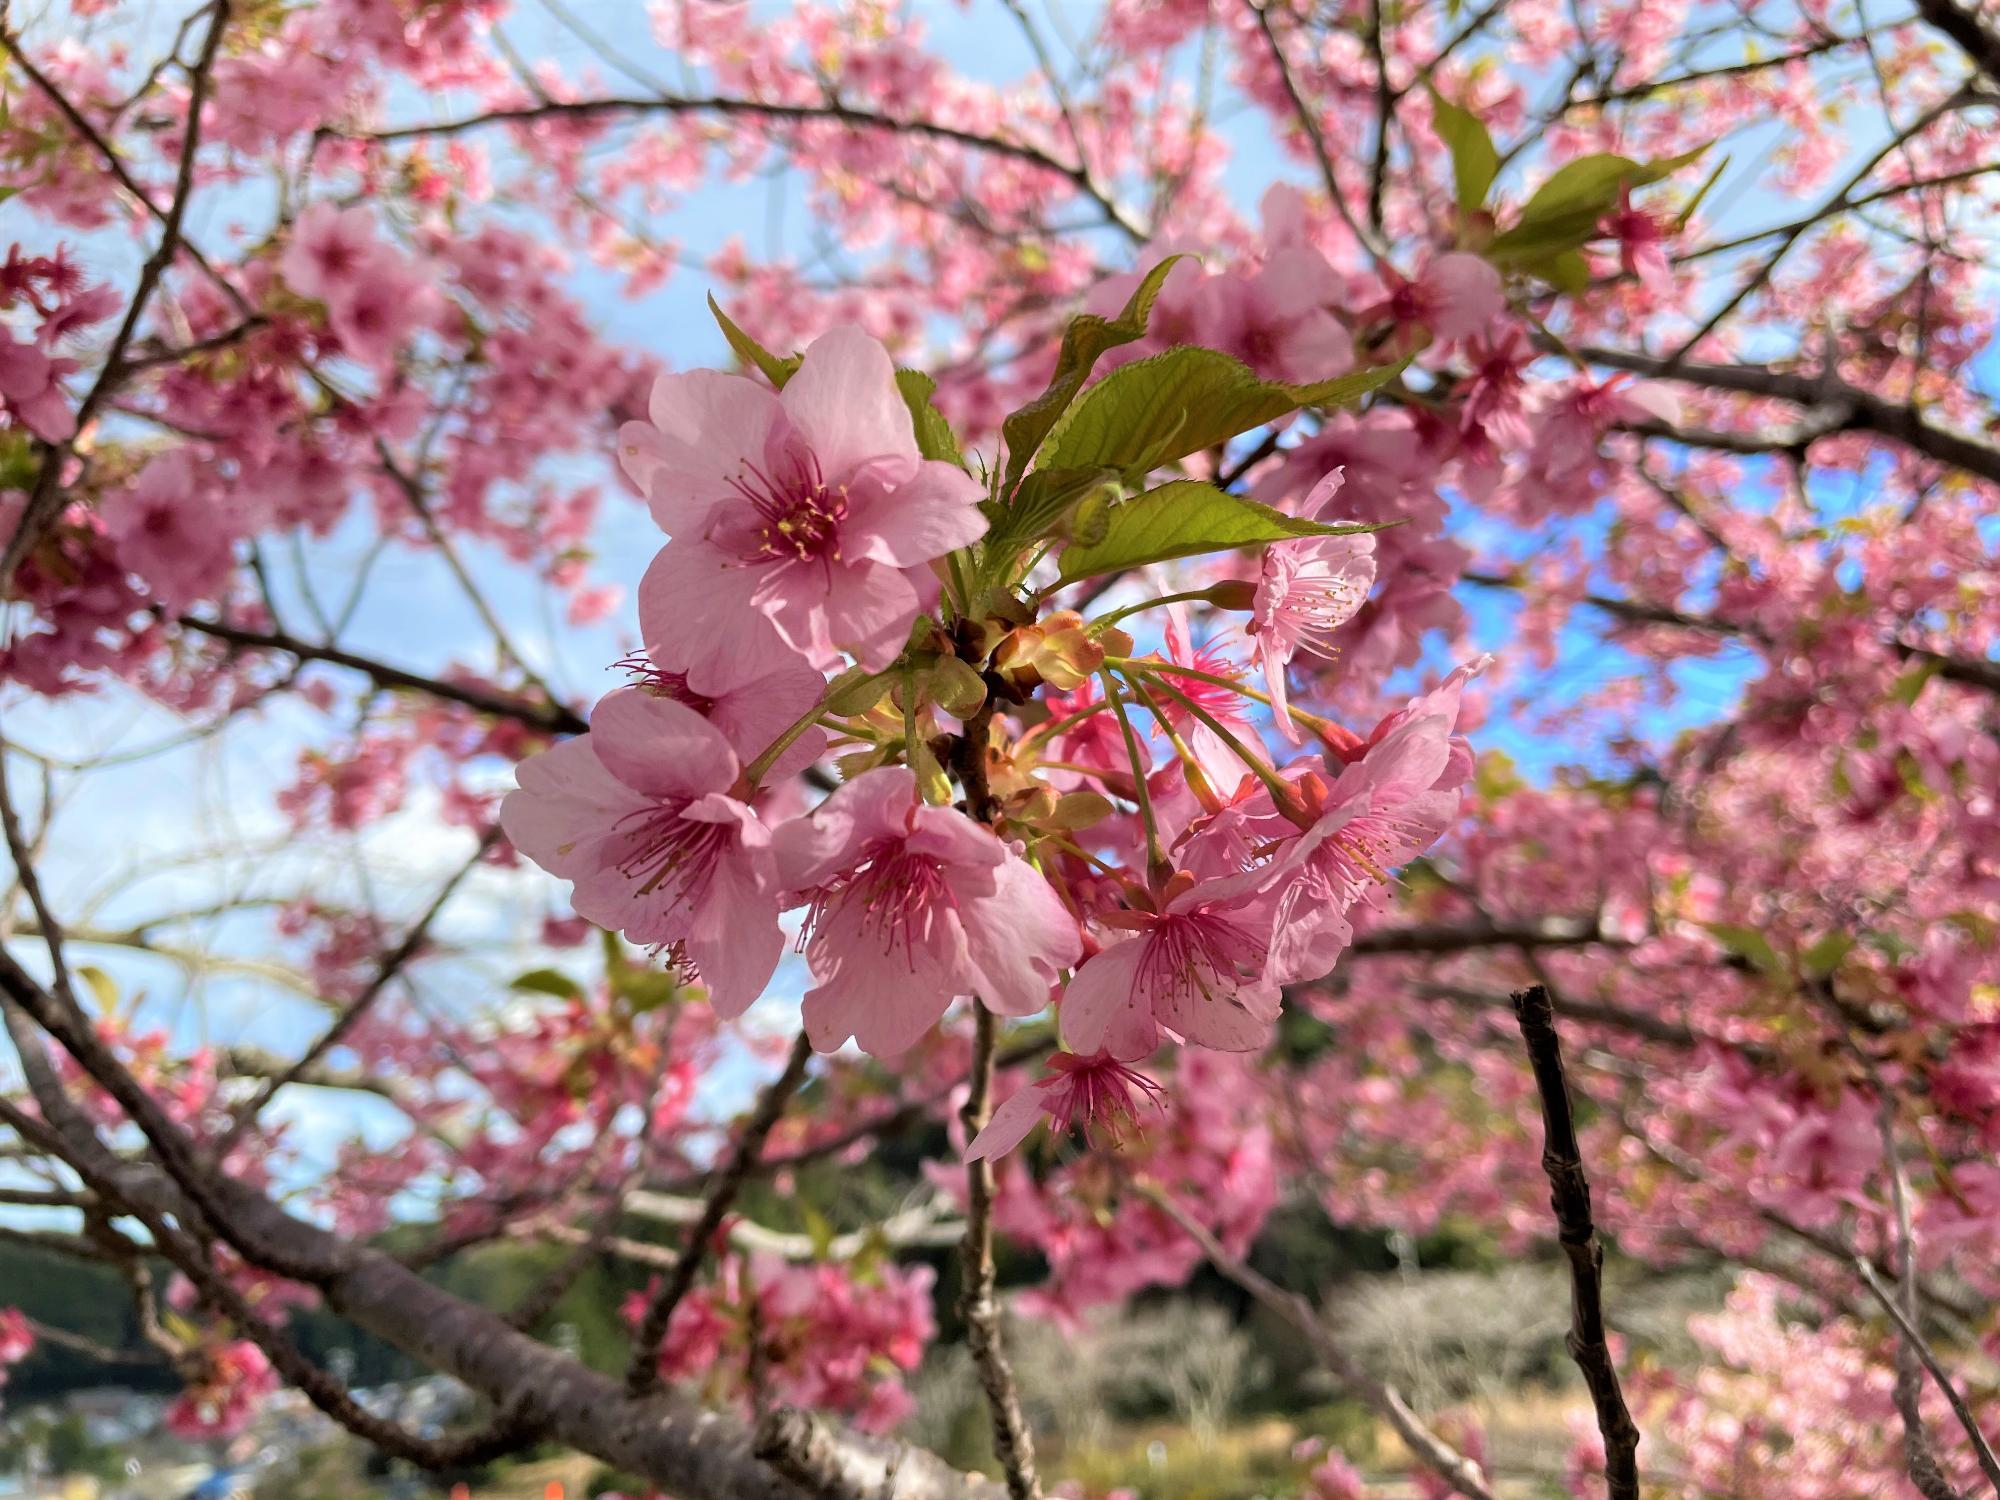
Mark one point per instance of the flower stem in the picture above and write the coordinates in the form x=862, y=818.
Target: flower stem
x=1315, y=722
x=1105, y=622
x=759, y=768
x=1155, y=856
x=1281, y=791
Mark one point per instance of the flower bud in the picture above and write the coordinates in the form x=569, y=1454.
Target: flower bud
x=955, y=687
x=856, y=691
x=931, y=779
x=1059, y=651
x=1080, y=810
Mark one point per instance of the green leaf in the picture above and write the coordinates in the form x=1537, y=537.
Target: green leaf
x=1708, y=183
x=547, y=982
x=1909, y=686
x=1156, y=410
x=645, y=990
x=934, y=435
x=102, y=985
x=1565, y=211
x=820, y=1230
x=1567, y=271
x=1824, y=956
x=1474, y=161
x=1085, y=340
x=1748, y=942
x=776, y=370
x=1184, y=519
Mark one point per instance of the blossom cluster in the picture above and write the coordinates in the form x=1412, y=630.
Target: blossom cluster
x=830, y=1336
x=810, y=534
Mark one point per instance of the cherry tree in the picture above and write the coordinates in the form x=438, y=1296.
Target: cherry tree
x=1388, y=609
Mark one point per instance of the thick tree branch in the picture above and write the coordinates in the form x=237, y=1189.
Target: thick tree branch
x=1964, y=26
x=1569, y=1196
x=681, y=1449
x=1864, y=411
x=1459, y=937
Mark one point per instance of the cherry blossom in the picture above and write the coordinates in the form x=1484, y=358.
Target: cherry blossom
x=909, y=907
x=811, y=507
x=641, y=814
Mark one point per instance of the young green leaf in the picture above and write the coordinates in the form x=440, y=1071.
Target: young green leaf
x=1565, y=211
x=935, y=438
x=1039, y=504
x=1184, y=519
x=1085, y=340
x=1707, y=185
x=776, y=370
x=1474, y=160
x=1156, y=410
x=547, y=982
x=1749, y=943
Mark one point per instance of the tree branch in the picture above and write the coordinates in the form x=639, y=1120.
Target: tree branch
x=642, y=1374
x=1864, y=410
x=832, y=111
x=1966, y=671
x=1916, y=1340
x=550, y=718
x=1569, y=1196
x=1432, y=1451
x=1964, y=27
x=1013, y=1442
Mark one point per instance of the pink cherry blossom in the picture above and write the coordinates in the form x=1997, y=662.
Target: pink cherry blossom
x=17, y=1338
x=374, y=299
x=910, y=907
x=234, y=1382
x=811, y=507
x=1306, y=590
x=1197, y=967
x=172, y=529
x=31, y=385
x=1643, y=236
x=1218, y=761
x=329, y=249
x=1458, y=294
x=1097, y=1092
x=641, y=814
x=752, y=697
x=1393, y=801
x=1278, y=321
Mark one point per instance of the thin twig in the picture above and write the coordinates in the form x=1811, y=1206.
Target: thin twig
x=1309, y=123
x=46, y=501
x=1432, y=1451
x=833, y=112
x=1914, y=1337
x=1918, y=1456
x=642, y=1374
x=548, y=717
x=1013, y=1442
x=1569, y=1196
x=392, y=964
